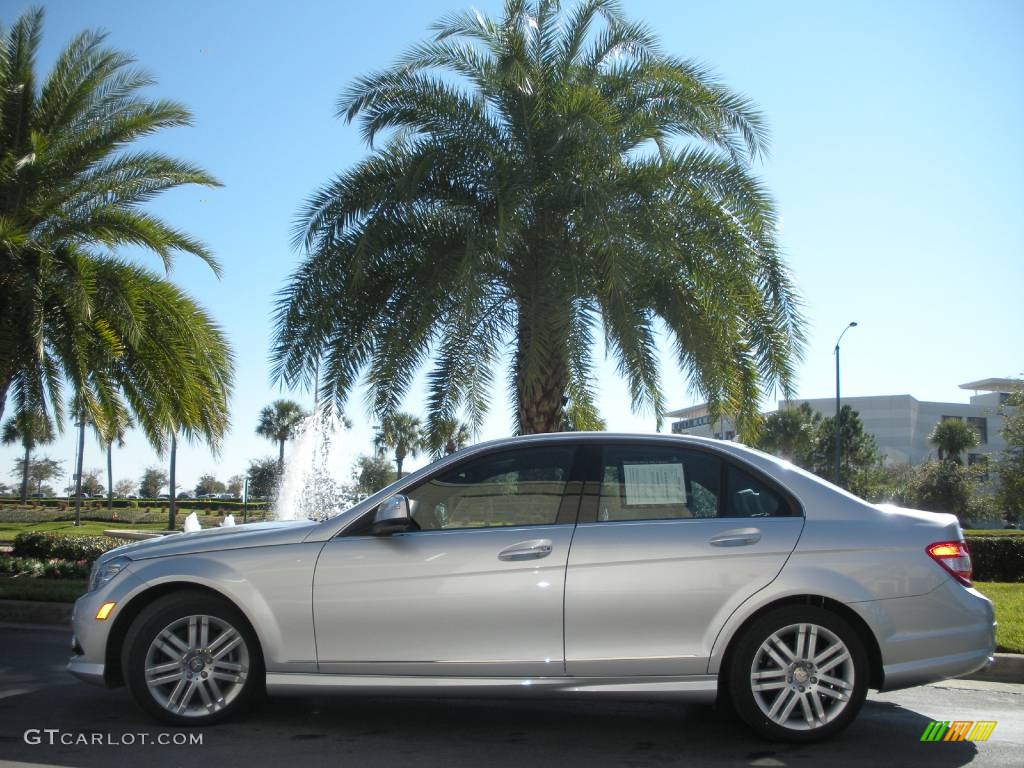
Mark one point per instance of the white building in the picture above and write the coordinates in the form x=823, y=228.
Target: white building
x=696, y=421
x=900, y=424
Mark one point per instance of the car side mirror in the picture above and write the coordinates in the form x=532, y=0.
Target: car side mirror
x=392, y=516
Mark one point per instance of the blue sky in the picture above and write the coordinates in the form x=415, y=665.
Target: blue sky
x=896, y=164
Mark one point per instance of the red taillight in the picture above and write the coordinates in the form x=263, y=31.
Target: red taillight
x=954, y=557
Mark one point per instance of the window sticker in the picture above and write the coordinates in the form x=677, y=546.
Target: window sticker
x=654, y=484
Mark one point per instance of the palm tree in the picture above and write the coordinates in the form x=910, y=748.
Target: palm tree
x=400, y=432
x=31, y=429
x=70, y=192
x=279, y=422
x=111, y=429
x=194, y=405
x=449, y=436
x=546, y=179
x=952, y=437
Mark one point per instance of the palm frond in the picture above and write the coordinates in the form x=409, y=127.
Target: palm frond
x=531, y=188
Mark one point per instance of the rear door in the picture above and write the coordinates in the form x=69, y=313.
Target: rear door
x=670, y=541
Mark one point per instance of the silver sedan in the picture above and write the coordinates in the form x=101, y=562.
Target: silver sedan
x=595, y=565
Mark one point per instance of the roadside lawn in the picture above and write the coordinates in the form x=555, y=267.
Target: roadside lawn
x=46, y=590
x=1009, y=601
x=67, y=528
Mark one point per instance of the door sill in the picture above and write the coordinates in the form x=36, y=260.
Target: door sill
x=690, y=687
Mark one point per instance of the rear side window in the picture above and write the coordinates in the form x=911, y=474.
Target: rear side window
x=749, y=497
x=667, y=483
x=657, y=483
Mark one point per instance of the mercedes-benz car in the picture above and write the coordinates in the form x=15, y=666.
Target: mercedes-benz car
x=594, y=565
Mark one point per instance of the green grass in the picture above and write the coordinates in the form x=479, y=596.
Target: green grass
x=994, y=532
x=66, y=527
x=1009, y=600
x=46, y=590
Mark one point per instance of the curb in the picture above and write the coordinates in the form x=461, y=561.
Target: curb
x=1008, y=668
x=35, y=612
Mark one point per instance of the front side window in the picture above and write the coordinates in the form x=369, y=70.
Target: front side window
x=517, y=487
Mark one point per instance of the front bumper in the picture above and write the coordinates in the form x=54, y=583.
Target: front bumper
x=90, y=672
x=89, y=642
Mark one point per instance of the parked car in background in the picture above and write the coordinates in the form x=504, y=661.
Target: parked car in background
x=596, y=564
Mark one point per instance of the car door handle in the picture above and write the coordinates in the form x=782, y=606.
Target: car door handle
x=526, y=550
x=740, y=537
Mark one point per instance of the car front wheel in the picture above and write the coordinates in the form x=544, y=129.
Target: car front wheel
x=799, y=674
x=191, y=659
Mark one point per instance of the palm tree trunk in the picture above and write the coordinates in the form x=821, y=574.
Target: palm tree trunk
x=5, y=384
x=280, y=459
x=172, y=507
x=110, y=476
x=540, y=388
x=78, y=469
x=399, y=458
x=24, y=476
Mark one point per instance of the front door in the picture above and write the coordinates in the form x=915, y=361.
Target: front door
x=476, y=591
x=670, y=543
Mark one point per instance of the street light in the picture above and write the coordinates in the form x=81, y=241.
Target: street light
x=838, y=423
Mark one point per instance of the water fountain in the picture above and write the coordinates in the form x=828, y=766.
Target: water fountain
x=314, y=471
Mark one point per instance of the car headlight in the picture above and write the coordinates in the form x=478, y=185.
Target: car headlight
x=101, y=574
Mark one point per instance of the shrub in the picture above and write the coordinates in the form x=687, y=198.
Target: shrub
x=93, y=506
x=46, y=546
x=25, y=566
x=983, y=512
x=997, y=558
x=66, y=569
x=52, y=568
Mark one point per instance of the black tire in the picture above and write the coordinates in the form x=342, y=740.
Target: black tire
x=740, y=685
x=163, y=612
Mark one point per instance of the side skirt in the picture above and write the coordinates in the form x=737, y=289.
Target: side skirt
x=697, y=688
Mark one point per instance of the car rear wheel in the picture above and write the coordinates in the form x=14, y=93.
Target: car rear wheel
x=799, y=674
x=192, y=659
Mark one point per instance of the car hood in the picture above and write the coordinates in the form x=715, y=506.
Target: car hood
x=213, y=539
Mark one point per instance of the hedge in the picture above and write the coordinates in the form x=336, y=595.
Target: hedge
x=997, y=558
x=131, y=517
x=96, y=504
x=53, y=568
x=46, y=546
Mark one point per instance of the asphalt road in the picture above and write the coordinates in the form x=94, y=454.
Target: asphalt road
x=36, y=694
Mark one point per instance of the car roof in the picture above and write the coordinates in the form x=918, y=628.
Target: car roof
x=737, y=449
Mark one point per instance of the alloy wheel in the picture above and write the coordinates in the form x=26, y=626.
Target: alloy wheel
x=802, y=676
x=196, y=665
